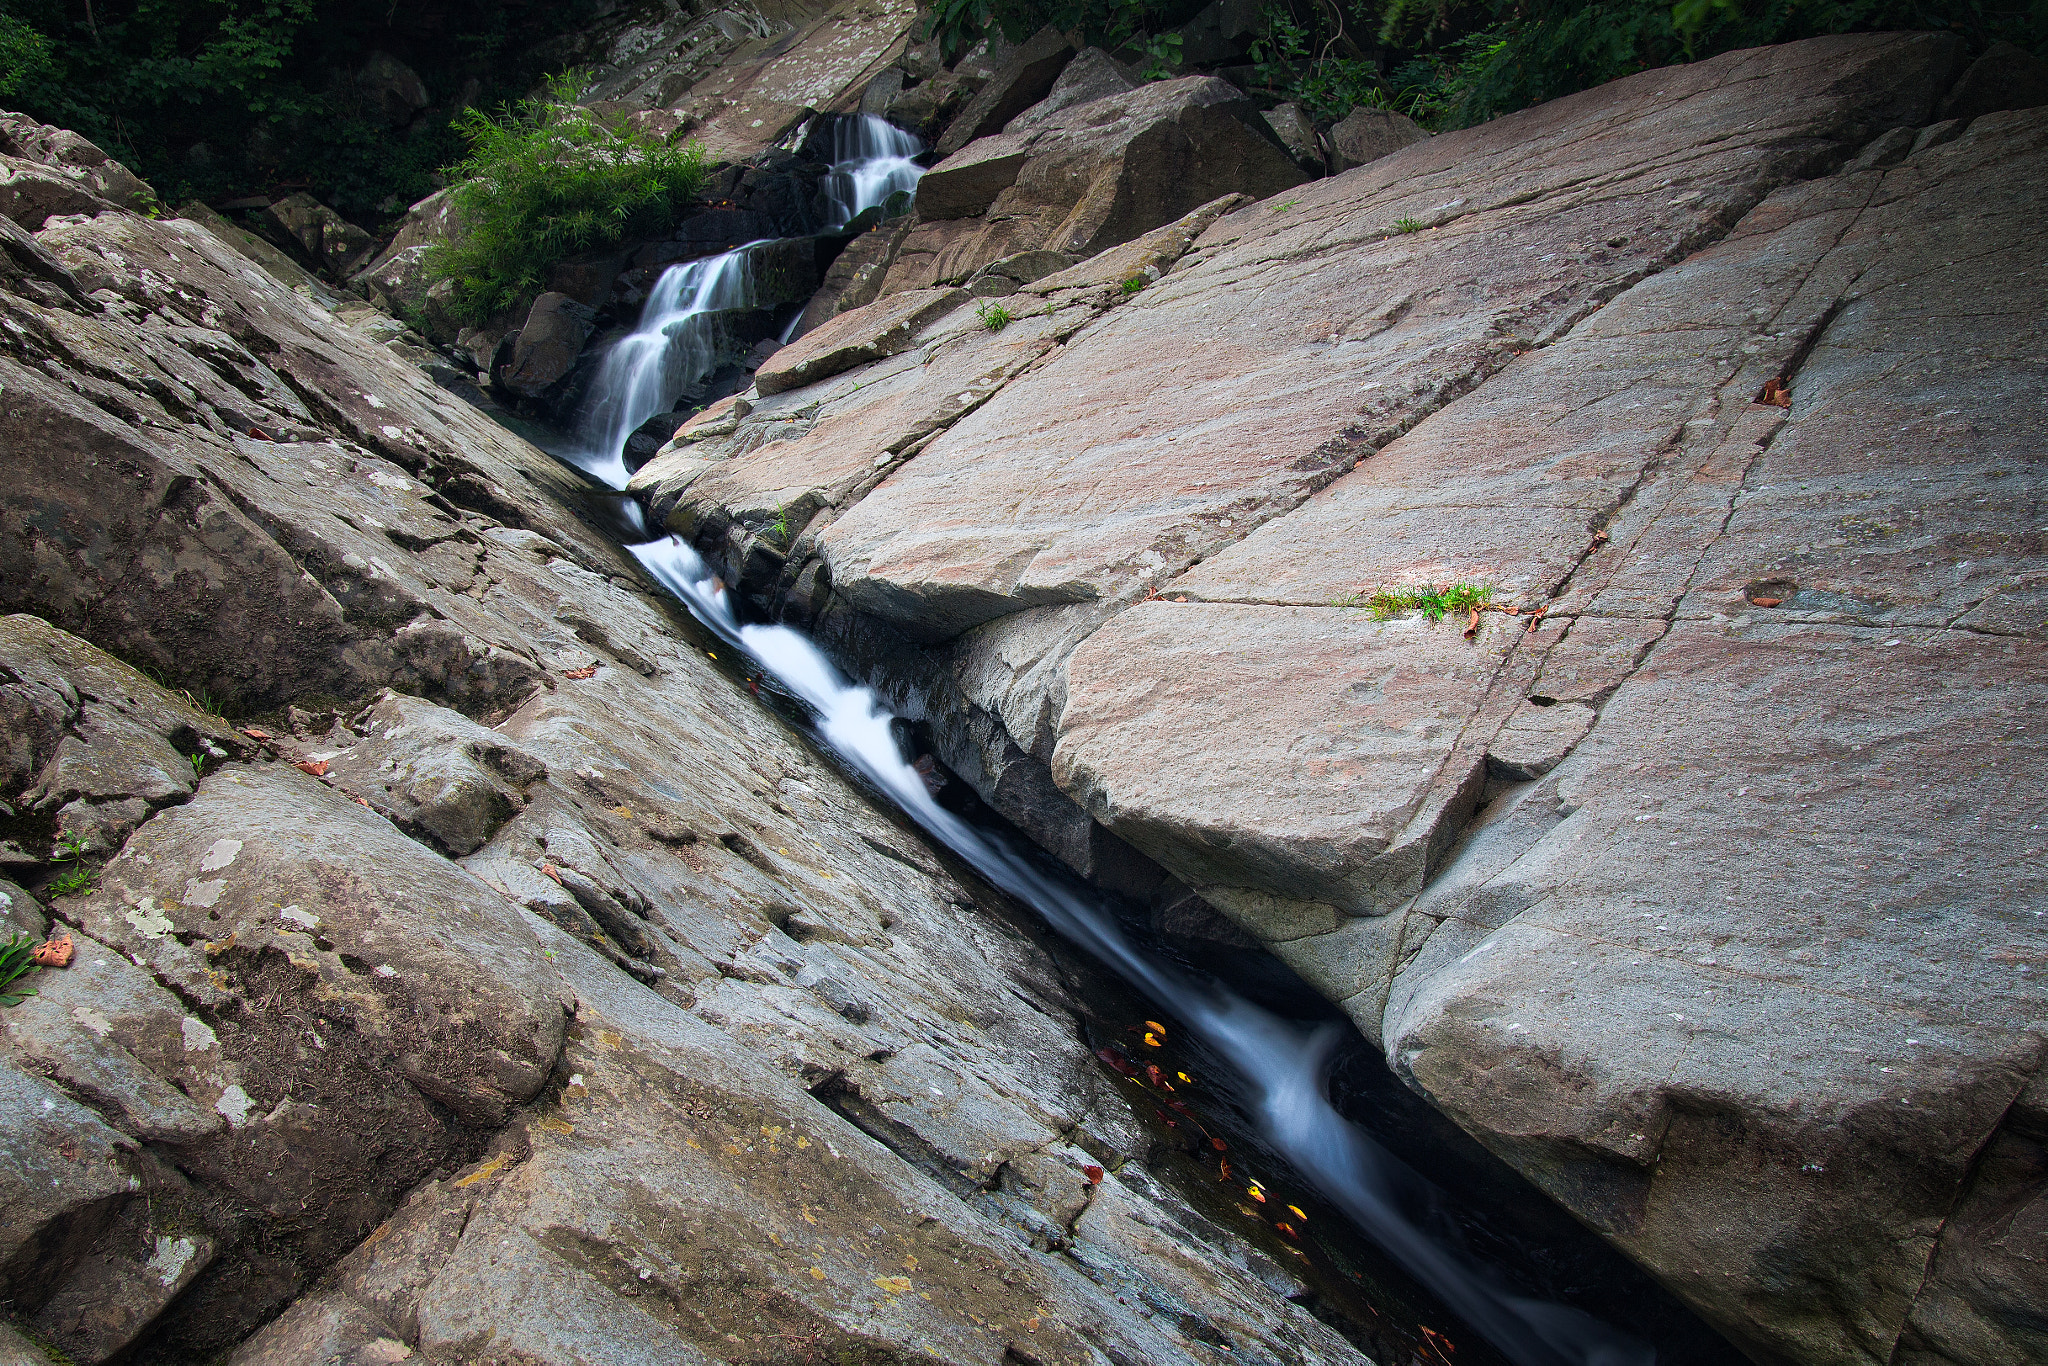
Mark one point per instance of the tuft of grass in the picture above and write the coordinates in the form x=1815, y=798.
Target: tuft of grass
x=1134, y=284
x=79, y=876
x=1409, y=225
x=16, y=963
x=993, y=316
x=1433, y=602
x=546, y=179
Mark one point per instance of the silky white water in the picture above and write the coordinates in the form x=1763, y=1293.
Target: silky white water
x=871, y=160
x=1282, y=1066
x=677, y=343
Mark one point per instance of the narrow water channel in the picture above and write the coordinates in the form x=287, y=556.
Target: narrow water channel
x=1281, y=1068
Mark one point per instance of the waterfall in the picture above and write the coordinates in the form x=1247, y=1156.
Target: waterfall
x=675, y=345
x=871, y=160
x=1281, y=1065
x=676, y=342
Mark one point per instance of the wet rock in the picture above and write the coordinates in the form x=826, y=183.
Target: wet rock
x=1366, y=135
x=1092, y=74
x=548, y=343
x=855, y=276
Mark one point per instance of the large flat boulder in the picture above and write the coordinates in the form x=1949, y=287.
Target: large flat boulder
x=1085, y=176
x=1770, y=631
x=1534, y=220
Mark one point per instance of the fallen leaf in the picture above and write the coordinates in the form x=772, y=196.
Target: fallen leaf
x=1255, y=1193
x=255, y=734
x=1094, y=1175
x=1472, y=628
x=895, y=1285
x=1151, y=1041
x=1218, y=1144
x=1297, y=1212
x=316, y=767
x=56, y=953
x=1155, y=1026
x=362, y=803
x=1600, y=537
x=1116, y=1061
x=547, y=870
x=1285, y=1228
x=587, y=671
x=258, y=434
x=1223, y=1174
x=1776, y=394
x=817, y=1273
x=1766, y=602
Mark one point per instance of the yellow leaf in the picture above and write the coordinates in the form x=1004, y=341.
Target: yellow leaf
x=909, y=1261
x=895, y=1285
x=817, y=1273
x=1155, y=1026
x=485, y=1172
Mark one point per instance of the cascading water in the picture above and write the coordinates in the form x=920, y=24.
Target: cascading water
x=1281, y=1065
x=871, y=160
x=676, y=343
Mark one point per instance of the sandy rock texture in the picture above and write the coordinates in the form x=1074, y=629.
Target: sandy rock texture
x=513, y=985
x=1697, y=875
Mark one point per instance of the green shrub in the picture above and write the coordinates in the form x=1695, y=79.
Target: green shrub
x=546, y=179
x=17, y=962
x=993, y=316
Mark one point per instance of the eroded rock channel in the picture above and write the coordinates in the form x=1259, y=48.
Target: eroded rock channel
x=510, y=984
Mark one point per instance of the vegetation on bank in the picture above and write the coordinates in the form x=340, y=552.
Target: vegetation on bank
x=1453, y=63
x=545, y=179
x=217, y=99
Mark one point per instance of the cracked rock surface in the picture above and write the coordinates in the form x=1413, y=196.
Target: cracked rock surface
x=1699, y=876
x=507, y=984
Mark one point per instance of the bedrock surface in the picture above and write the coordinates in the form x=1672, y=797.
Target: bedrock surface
x=1699, y=875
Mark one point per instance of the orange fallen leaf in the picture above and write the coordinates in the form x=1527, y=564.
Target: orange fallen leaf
x=1151, y=1041
x=587, y=671
x=1472, y=627
x=1296, y=1211
x=1285, y=1228
x=1255, y=1193
x=1600, y=537
x=56, y=953
x=316, y=767
x=361, y=802
x=255, y=734
x=1766, y=602
x=1155, y=1026
x=1776, y=394
x=1223, y=1174
x=1094, y=1175
x=1218, y=1144
x=547, y=870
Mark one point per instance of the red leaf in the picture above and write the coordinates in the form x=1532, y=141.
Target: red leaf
x=547, y=870
x=255, y=734
x=1766, y=602
x=1094, y=1175
x=587, y=671
x=1116, y=1061
x=316, y=767
x=1776, y=394
x=56, y=953
x=1218, y=1144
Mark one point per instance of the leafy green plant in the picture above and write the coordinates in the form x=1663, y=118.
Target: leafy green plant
x=1433, y=602
x=78, y=876
x=546, y=179
x=1162, y=57
x=1133, y=285
x=1409, y=225
x=993, y=316
x=780, y=526
x=17, y=961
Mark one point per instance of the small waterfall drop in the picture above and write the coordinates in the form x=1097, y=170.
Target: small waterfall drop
x=676, y=343
x=871, y=160
x=1282, y=1065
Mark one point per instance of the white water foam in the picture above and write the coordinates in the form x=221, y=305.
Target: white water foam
x=677, y=343
x=1282, y=1065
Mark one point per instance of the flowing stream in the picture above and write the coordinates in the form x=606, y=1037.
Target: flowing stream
x=1282, y=1066
x=676, y=342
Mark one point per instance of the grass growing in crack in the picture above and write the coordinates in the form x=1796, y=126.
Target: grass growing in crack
x=17, y=961
x=1134, y=284
x=1435, y=603
x=1409, y=225
x=79, y=876
x=780, y=526
x=993, y=316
